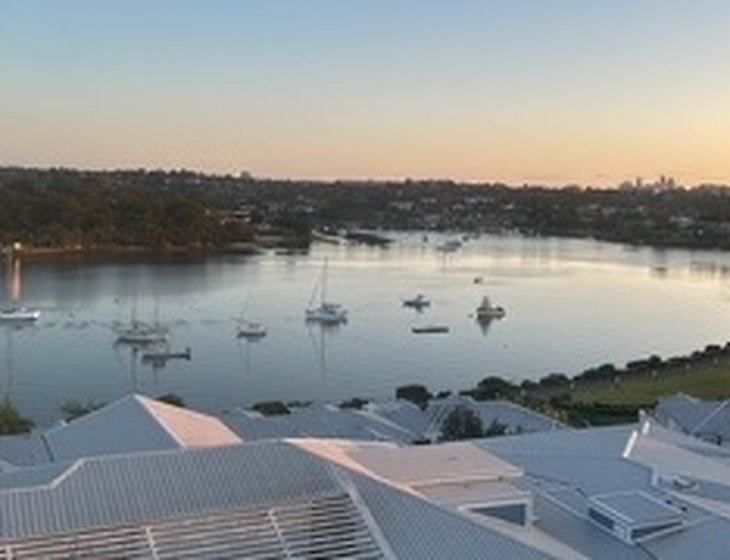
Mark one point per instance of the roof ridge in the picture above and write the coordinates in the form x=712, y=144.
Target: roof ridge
x=89, y=415
x=160, y=422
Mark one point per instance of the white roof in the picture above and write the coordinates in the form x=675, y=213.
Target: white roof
x=416, y=466
x=136, y=423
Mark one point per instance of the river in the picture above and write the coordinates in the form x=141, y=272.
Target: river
x=570, y=304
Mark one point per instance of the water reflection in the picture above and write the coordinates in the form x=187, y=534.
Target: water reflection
x=484, y=323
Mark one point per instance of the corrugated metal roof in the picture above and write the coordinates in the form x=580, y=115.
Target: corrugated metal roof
x=563, y=468
x=133, y=424
x=684, y=412
x=397, y=421
x=318, y=421
x=108, y=491
x=329, y=527
x=22, y=450
x=516, y=418
x=417, y=529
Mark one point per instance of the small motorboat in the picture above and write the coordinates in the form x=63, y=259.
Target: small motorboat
x=417, y=302
x=250, y=330
x=430, y=329
x=19, y=314
x=488, y=311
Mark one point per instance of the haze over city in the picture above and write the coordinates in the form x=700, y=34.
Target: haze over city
x=557, y=92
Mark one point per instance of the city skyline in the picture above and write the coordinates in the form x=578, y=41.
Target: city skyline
x=538, y=92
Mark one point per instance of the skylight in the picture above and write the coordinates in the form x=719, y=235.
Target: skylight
x=634, y=516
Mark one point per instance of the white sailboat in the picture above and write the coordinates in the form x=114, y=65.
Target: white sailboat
x=141, y=333
x=251, y=330
x=326, y=312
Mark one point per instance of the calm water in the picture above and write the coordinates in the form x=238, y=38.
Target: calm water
x=570, y=305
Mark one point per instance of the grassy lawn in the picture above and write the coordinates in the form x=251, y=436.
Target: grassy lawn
x=711, y=381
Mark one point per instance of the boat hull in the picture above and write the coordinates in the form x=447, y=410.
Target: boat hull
x=436, y=329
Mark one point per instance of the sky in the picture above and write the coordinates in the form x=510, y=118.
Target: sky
x=538, y=91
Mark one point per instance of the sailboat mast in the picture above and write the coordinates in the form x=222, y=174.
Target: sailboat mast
x=324, y=282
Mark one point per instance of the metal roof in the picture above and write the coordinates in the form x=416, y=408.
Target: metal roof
x=425, y=465
x=516, y=418
x=330, y=527
x=564, y=468
x=398, y=421
x=265, y=499
x=124, y=489
x=22, y=450
x=688, y=413
x=135, y=423
x=417, y=529
x=317, y=420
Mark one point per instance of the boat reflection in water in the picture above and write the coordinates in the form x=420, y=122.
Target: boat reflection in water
x=484, y=324
x=158, y=357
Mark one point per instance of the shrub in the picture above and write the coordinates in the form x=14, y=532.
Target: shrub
x=173, y=399
x=554, y=380
x=75, y=409
x=491, y=388
x=354, y=403
x=271, y=408
x=461, y=423
x=11, y=422
x=417, y=394
x=495, y=429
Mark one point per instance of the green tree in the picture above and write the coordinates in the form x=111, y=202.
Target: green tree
x=461, y=423
x=11, y=422
x=417, y=394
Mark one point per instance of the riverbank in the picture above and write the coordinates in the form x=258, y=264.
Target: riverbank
x=610, y=395
x=254, y=247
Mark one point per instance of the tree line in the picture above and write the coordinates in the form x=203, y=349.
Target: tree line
x=86, y=214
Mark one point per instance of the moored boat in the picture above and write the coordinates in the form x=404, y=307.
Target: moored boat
x=251, y=330
x=430, y=329
x=449, y=246
x=486, y=310
x=327, y=312
x=19, y=314
x=139, y=333
x=417, y=302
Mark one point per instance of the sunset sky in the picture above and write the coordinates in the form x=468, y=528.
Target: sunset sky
x=551, y=91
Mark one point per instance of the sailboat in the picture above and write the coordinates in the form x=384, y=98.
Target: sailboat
x=326, y=312
x=488, y=311
x=141, y=333
x=251, y=330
